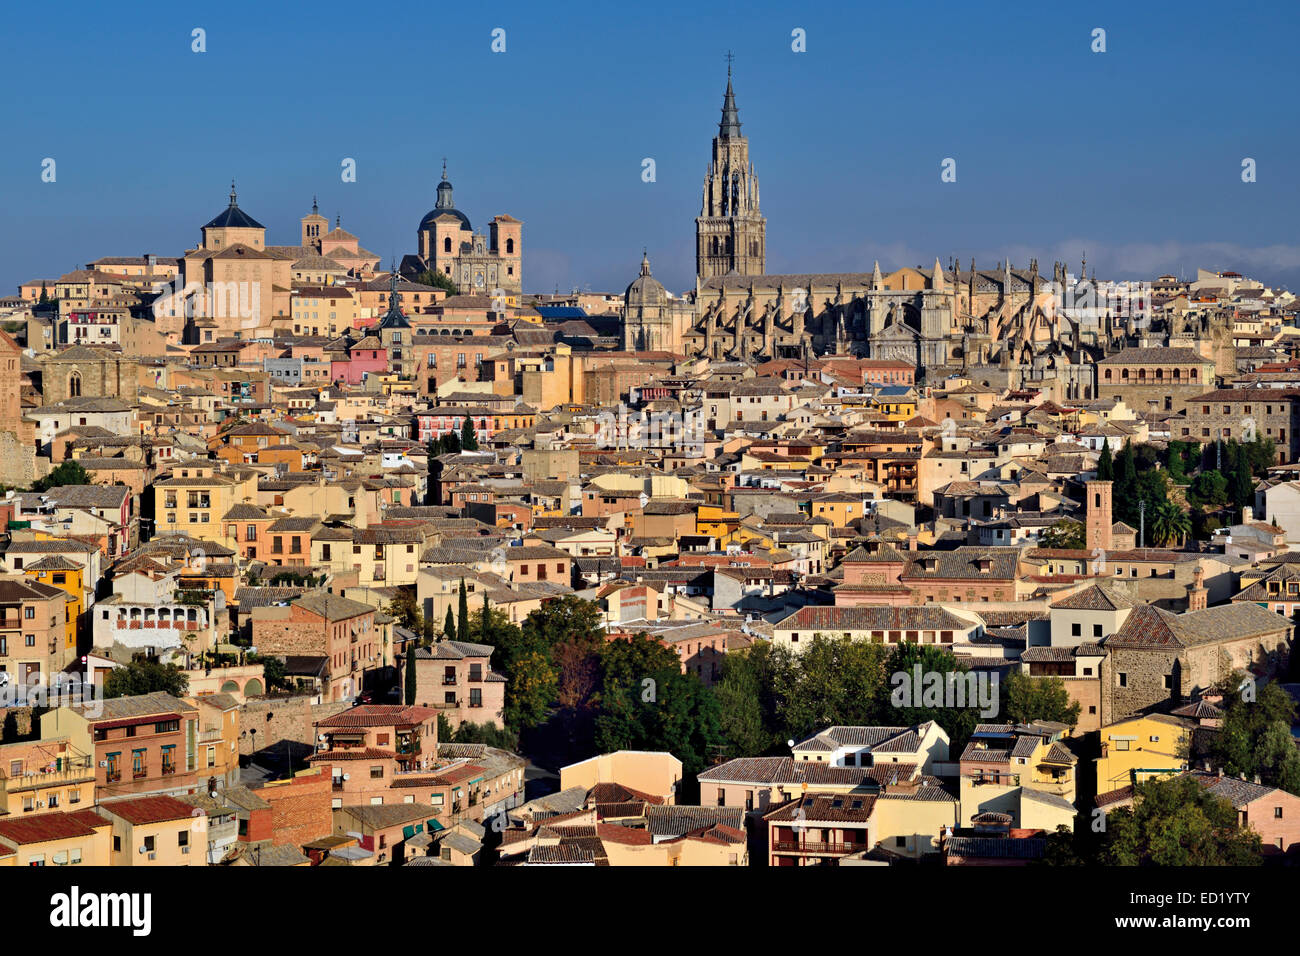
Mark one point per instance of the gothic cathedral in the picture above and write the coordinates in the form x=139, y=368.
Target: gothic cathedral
x=730, y=232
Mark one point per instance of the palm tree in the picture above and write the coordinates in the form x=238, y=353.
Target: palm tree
x=1169, y=523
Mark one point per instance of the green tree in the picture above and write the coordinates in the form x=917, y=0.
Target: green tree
x=273, y=671
x=1252, y=740
x=438, y=280
x=958, y=722
x=1177, y=822
x=9, y=733
x=746, y=725
x=68, y=473
x=408, y=679
x=485, y=619
x=1066, y=533
x=1105, y=463
x=45, y=295
x=144, y=676
x=645, y=702
x=1026, y=698
x=449, y=625
x=462, y=614
x=405, y=609
x=1169, y=523
x=468, y=439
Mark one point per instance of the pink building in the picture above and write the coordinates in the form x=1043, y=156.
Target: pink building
x=368, y=356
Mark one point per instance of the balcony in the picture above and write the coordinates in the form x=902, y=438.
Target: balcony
x=815, y=847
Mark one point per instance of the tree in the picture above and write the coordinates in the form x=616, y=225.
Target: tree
x=1105, y=463
x=273, y=671
x=1243, y=484
x=405, y=609
x=468, y=439
x=462, y=614
x=408, y=679
x=449, y=625
x=9, y=733
x=645, y=702
x=1066, y=533
x=450, y=443
x=437, y=279
x=741, y=693
x=485, y=619
x=68, y=473
x=45, y=295
x=1177, y=822
x=1169, y=523
x=144, y=676
x=1254, y=737
x=1026, y=699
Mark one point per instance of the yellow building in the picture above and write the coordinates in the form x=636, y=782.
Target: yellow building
x=1142, y=748
x=717, y=522
x=156, y=831
x=69, y=577
x=77, y=838
x=195, y=496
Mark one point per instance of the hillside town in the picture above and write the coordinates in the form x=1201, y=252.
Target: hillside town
x=313, y=559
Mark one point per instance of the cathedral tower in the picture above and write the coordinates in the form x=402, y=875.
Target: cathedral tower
x=730, y=232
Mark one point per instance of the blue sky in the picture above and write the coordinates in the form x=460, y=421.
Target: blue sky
x=1133, y=155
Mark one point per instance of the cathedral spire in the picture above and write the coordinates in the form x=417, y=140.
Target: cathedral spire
x=877, y=282
x=729, y=128
x=937, y=282
x=233, y=202
x=645, y=262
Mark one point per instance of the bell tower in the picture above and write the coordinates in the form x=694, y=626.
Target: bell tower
x=730, y=232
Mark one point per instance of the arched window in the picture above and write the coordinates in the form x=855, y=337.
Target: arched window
x=74, y=385
x=446, y=244
x=510, y=247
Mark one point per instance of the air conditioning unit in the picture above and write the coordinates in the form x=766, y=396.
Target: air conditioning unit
x=153, y=856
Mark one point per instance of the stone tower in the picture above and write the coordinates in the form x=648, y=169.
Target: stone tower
x=1099, y=523
x=730, y=232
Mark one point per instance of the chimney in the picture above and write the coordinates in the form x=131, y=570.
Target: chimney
x=911, y=542
x=1197, y=596
x=1247, y=514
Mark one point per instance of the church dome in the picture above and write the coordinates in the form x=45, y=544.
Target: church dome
x=233, y=217
x=645, y=288
x=444, y=206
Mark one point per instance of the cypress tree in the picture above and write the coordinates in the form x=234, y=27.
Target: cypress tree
x=485, y=629
x=462, y=618
x=449, y=625
x=468, y=440
x=409, y=681
x=1105, y=464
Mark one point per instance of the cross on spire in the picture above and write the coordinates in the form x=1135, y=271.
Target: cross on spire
x=444, y=167
x=730, y=56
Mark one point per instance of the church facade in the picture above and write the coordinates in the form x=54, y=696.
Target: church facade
x=479, y=264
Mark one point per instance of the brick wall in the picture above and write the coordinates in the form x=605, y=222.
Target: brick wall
x=300, y=809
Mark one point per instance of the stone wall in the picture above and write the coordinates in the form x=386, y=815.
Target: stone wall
x=278, y=719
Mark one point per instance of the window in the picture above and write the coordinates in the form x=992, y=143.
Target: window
x=1121, y=745
x=1123, y=679
x=376, y=773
